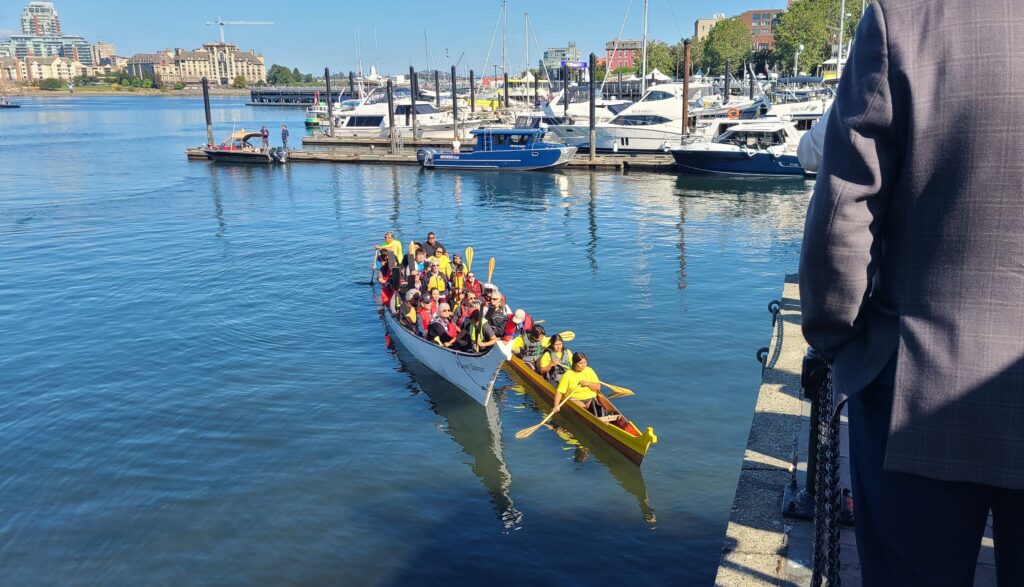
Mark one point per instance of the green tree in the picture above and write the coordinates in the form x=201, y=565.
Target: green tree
x=280, y=75
x=659, y=56
x=179, y=86
x=147, y=83
x=624, y=70
x=815, y=25
x=239, y=82
x=51, y=83
x=729, y=40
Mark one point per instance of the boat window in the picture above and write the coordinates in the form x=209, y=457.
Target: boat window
x=365, y=120
x=557, y=120
x=425, y=109
x=639, y=119
x=517, y=140
x=779, y=138
x=655, y=95
x=498, y=139
x=527, y=122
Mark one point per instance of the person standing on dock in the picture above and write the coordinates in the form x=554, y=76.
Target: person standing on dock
x=912, y=286
x=265, y=137
x=284, y=136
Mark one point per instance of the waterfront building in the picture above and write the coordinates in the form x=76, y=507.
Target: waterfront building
x=12, y=70
x=41, y=36
x=761, y=24
x=221, y=63
x=39, y=19
x=103, y=53
x=626, y=54
x=554, y=56
x=703, y=26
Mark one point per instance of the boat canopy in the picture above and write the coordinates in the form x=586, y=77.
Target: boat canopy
x=241, y=135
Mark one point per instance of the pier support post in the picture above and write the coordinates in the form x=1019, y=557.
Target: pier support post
x=472, y=92
x=352, y=85
x=437, y=88
x=505, y=77
x=414, y=90
x=593, y=106
x=565, y=90
x=455, y=109
x=206, y=106
x=686, y=89
x=391, y=116
x=536, y=90
x=330, y=104
x=725, y=98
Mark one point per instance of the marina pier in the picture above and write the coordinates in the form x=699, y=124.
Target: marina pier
x=765, y=544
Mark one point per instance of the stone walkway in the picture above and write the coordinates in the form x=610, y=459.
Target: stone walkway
x=761, y=546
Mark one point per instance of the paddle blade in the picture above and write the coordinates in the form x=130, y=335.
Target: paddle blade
x=490, y=270
x=619, y=391
x=526, y=432
x=469, y=259
x=568, y=336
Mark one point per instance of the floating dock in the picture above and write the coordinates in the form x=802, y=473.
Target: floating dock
x=762, y=547
x=407, y=156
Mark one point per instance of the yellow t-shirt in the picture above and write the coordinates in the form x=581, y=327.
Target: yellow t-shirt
x=571, y=383
x=519, y=343
x=545, y=359
x=395, y=247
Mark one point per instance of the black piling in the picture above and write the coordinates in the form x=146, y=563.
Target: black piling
x=472, y=92
x=593, y=105
x=505, y=77
x=437, y=88
x=565, y=90
x=330, y=103
x=414, y=91
x=686, y=88
x=352, y=85
x=391, y=115
x=209, y=117
x=725, y=98
x=536, y=91
x=455, y=108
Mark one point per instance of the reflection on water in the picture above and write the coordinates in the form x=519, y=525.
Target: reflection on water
x=475, y=428
x=584, y=443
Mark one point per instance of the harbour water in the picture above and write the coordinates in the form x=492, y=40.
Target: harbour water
x=196, y=386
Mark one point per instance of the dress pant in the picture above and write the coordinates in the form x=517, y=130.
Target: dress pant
x=914, y=530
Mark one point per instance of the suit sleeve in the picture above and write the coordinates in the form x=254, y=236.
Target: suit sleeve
x=861, y=160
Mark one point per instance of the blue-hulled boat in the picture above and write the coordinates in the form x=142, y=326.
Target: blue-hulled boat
x=501, y=148
x=754, y=148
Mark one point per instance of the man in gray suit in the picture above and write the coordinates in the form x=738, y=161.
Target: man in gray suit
x=912, y=281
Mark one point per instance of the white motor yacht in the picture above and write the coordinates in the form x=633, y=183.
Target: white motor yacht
x=752, y=148
x=370, y=119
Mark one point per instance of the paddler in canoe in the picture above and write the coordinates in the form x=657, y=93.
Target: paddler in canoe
x=581, y=383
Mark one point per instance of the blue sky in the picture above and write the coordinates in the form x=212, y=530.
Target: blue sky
x=313, y=34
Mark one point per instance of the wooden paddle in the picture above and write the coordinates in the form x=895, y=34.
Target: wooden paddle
x=490, y=270
x=469, y=259
x=373, y=268
x=617, y=391
x=526, y=432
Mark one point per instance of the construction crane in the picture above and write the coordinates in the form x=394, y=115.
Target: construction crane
x=221, y=22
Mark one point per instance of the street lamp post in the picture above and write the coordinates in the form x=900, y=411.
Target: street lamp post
x=796, y=61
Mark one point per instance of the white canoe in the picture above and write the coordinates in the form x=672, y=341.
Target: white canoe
x=473, y=374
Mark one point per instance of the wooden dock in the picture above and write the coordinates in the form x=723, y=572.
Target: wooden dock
x=407, y=156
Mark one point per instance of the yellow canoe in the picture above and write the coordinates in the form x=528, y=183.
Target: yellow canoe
x=618, y=432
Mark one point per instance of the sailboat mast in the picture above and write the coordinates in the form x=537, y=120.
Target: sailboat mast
x=842, y=23
x=643, y=57
x=526, y=39
x=504, y=37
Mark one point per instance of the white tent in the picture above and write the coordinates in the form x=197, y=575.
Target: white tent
x=658, y=76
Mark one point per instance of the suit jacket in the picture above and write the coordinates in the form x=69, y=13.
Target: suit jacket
x=914, y=241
